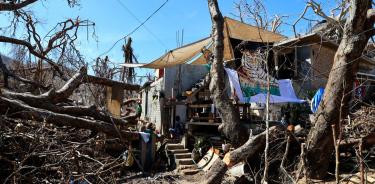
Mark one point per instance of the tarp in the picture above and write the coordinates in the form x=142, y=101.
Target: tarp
x=261, y=98
x=287, y=94
x=246, y=32
x=234, y=83
x=133, y=65
x=286, y=88
x=232, y=29
x=316, y=99
x=180, y=55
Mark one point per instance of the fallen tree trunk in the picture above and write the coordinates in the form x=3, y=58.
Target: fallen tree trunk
x=109, y=82
x=56, y=96
x=17, y=109
x=89, y=111
x=253, y=146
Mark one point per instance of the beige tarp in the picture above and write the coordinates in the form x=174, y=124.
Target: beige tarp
x=242, y=31
x=238, y=30
x=180, y=55
x=232, y=29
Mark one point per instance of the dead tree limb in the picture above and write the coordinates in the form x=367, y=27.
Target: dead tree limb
x=109, y=82
x=7, y=74
x=253, y=146
x=42, y=102
x=18, y=109
x=11, y=6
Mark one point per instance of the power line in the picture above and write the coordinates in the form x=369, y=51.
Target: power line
x=139, y=21
x=135, y=29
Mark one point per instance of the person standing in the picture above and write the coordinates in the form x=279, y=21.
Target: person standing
x=138, y=109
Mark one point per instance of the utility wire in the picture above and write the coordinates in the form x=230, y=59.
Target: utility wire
x=135, y=29
x=139, y=21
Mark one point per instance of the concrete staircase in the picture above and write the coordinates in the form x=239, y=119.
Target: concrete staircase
x=182, y=159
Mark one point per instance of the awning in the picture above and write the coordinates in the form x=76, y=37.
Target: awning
x=180, y=55
x=246, y=32
x=191, y=53
x=133, y=65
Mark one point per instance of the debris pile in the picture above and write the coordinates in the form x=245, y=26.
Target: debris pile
x=39, y=152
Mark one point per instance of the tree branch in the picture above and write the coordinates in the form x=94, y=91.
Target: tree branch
x=15, y=6
x=7, y=74
x=34, y=52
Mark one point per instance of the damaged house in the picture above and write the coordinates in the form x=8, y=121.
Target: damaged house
x=180, y=89
x=298, y=67
x=308, y=61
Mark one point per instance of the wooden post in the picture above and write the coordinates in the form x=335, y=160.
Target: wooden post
x=337, y=154
x=295, y=61
x=361, y=161
x=114, y=98
x=148, y=152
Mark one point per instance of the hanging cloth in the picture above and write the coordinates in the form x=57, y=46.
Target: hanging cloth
x=234, y=84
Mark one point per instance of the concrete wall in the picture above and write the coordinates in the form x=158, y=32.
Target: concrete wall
x=152, y=107
x=322, y=60
x=180, y=78
x=188, y=75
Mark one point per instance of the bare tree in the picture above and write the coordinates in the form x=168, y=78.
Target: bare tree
x=58, y=44
x=254, y=12
x=332, y=25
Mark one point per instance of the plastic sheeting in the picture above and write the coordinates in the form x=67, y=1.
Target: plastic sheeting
x=242, y=31
x=287, y=94
x=180, y=55
x=261, y=98
x=316, y=99
x=286, y=88
x=234, y=83
x=232, y=29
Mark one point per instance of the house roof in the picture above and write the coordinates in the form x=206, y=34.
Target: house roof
x=313, y=39
x=191, y=53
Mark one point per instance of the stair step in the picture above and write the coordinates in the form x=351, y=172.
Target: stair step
x=182, y=155
x=173, y=141
x=184, y=161
x=190, y=171
x=177, y=151
x=184, y=167
x=174, y=146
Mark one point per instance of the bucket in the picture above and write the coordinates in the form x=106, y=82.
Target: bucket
x=239, y=169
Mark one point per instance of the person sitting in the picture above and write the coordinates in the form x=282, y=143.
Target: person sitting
x=178, y=130
x=285, y=119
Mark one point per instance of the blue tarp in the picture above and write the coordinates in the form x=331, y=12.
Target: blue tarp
x=316, y=99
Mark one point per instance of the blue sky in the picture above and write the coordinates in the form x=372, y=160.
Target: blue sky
x=113, y=21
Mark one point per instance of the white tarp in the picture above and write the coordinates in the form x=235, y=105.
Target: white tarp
x=234, y=83
x=287, y=93
x=261, y=98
